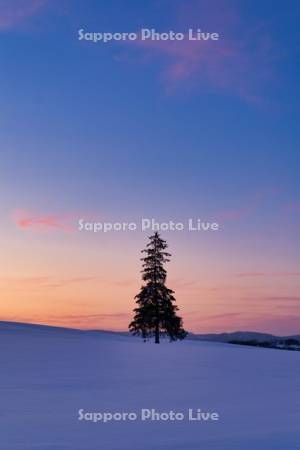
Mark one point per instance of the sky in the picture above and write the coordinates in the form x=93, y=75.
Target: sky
x=170, y=130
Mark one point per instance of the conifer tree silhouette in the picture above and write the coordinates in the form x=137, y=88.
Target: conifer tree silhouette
x=156, y=312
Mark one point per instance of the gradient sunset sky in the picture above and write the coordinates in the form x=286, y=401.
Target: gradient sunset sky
x=170, y=130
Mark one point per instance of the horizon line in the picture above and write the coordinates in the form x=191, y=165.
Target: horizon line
x=125, y=331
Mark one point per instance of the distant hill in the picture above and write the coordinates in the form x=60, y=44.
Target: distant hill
x=240, y=336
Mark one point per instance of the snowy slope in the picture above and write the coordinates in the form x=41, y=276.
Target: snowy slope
x=47, y=375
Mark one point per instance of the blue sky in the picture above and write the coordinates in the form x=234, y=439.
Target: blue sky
x=128, y=129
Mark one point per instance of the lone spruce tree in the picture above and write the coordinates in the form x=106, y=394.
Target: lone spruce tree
x=156, y=312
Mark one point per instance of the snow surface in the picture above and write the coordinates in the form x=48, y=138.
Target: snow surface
x=47, y=375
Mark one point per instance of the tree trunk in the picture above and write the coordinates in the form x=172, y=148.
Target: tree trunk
x=157, y=334
x=157, y=307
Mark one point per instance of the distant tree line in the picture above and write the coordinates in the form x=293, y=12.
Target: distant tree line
x=284, y=344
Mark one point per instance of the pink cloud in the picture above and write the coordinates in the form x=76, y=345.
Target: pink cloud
x=239, y=62
x=284, y=299
x=11, y=284
x=28, y=220
x=256, y=200
x=292, y=207
x=267, y=274
x=217, y=317
x=235, y=214
x=279, y=324
x=13, y=12
x=105, y=321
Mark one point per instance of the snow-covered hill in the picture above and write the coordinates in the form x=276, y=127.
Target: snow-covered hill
x=48, y=374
